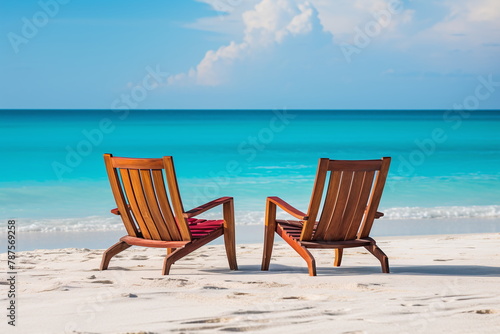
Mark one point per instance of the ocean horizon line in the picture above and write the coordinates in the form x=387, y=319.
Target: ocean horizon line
x=245, y=109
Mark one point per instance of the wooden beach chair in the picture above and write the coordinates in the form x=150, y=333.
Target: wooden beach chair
x=146, y=211
x=349, y=208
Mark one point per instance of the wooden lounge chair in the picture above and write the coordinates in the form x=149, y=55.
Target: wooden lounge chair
x=141, y=196
x=349, y=209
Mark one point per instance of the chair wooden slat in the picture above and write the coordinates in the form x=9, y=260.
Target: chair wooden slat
x=312, y=212
x=329, y=205
x=161, y=192
x=364, y=194
x=378, y=188
x=335, y=224
x=176, y=198
x=140, y=197
x=340, y=232
x=136, y=211
x=153, y=206
x=127, y=219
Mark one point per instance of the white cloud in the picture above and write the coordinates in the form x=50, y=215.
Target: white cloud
x=339, y=17
x=468, y=25
x=342, y=18
x=269, y=22
x=228, y=6
x=254, y=25
x=228, y=20
x=483, y=11
x=210, y=71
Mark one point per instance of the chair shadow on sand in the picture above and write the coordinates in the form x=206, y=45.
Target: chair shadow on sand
x=434, y=270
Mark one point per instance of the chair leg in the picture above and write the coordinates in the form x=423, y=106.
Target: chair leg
x=380, y=255
x=303, y=251
x=112, y=251
x=311, y=262
x=269, y=230
x=305, y=254
x=167, y=263
x=229, y=234
x=338, y=257
x=179, y=253
x=268, y=248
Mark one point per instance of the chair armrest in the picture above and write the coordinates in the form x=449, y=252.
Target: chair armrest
x=207, y=206
x=116, y=211
x=287, y=208
x=377, y=214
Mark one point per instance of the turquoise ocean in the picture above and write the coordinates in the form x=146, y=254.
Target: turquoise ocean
x=445, y=168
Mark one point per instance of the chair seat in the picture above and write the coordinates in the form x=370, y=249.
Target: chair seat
x=293, y=228
x=201, y=227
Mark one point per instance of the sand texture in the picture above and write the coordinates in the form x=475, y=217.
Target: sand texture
x=437, y=284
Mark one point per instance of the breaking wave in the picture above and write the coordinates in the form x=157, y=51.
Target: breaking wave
x=475, y=211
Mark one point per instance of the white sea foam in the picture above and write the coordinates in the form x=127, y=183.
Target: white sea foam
x=83, y=224
x=475, y=211
x=98, y=223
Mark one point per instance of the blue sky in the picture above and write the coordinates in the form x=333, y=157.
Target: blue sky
x=344, y=54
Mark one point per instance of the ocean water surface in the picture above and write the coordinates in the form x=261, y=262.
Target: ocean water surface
x=446, y=164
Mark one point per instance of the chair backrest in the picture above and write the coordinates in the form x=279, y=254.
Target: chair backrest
x=141, y=197
x=351, y=200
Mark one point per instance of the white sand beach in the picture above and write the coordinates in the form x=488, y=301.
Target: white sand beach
x=437, y=284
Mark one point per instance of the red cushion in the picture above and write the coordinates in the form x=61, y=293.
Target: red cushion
x=201, y=227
